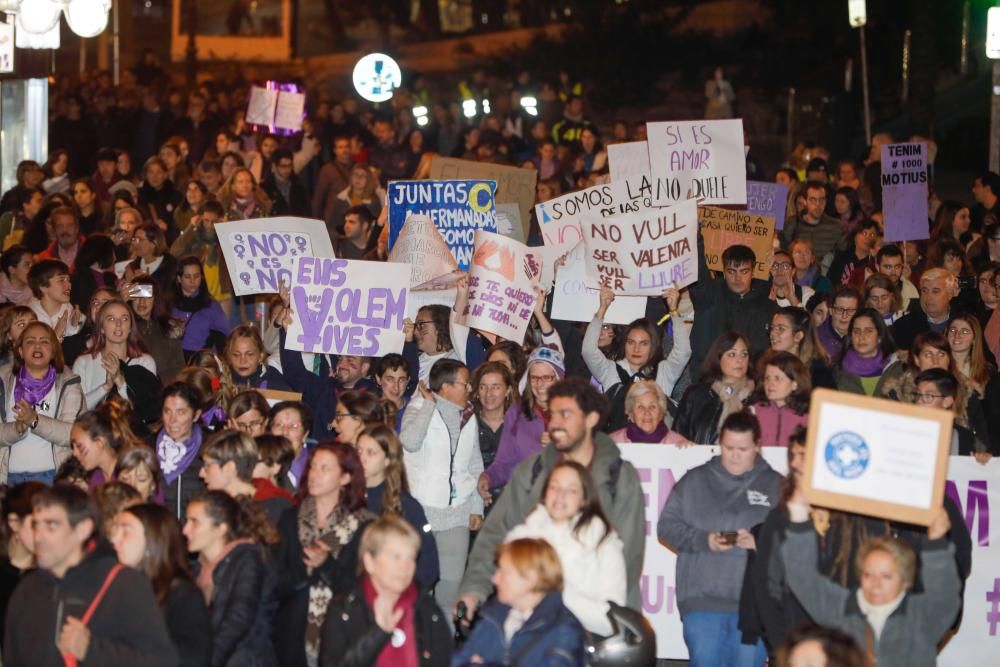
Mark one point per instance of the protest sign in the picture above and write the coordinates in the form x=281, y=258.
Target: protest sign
x=416, y=300
x=973, y=488
x=628, y=160
x=421, y=247
x=289, y=111
x=722, y=228
x=509, y=222
x=259, y=253
x=876, y=457
x=457, y=208
x=515, y=185
x=644, y=253
x=260, y=106
x=703, y=159
x=343, y=306
x=501, y=294
x=768, y=199
x=572, y=300
x=904, y=192
x=275, y=108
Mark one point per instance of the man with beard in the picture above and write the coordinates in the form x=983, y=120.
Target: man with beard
x=575, y=411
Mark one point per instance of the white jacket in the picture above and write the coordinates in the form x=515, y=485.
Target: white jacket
x=593, y=573
x=430, y=466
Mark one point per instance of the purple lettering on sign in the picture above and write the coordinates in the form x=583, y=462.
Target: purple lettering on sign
x=657, y=595
x=977, y=498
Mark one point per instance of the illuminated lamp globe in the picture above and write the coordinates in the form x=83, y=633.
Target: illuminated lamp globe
x=38, y=16
x=87, y=18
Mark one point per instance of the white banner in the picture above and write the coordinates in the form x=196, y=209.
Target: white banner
x=970, y=485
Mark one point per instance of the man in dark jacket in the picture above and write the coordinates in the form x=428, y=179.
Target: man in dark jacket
x=78, y=602
x=734, y=301
x=288, y=195
x=937, y=289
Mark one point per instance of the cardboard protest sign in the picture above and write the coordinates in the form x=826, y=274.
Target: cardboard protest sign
x=501, y=294
x=876, y=457
x=275, y=108
x=289, y=111
x=457, y=208
x=573, y=301
x=768, y=199
x=509, y=222
x=703, y=159
x=721, y=228
x=260, y=105
x=420, y=246
x=345, y=306
x=628, y=160
x=259, y=253
x=644, y=253
x=904, y=192
x=514, y=184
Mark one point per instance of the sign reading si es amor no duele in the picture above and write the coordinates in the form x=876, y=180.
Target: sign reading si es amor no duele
x=904, y=192
x=703, y=159
x=259, y=253
x=643, y=253
x=721, y=228
x=347, y=306
x=501, y=294
x=458, y=209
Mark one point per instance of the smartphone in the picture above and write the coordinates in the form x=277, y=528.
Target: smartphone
x=140, y=292
x=728, y=537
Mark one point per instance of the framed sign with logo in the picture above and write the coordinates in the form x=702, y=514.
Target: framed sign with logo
x=876, y=457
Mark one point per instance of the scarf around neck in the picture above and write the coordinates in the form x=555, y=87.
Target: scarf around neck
x=176, y=457
x=636, y=434
x=866, y=367
x=402, y=649
x=33, y=390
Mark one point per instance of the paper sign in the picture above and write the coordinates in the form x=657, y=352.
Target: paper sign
x=876, y=457
x=260, y=107
x=768, y=199
x=457, y=208
x=259, y=253
x=349, y=307
x=421, y=247
x=514, y=184
x=289, y=111
x=904, y=192
x=416, y=300
x=644, y=253
x=703, y=159
x=628, y=160
x=573, y=301
x=721, y=228
x=501, y=296
x=509, y=222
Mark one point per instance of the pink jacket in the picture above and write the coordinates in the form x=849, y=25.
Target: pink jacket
x=777, y=424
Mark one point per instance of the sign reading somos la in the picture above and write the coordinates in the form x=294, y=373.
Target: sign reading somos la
x=348, y=306
x=259, y=253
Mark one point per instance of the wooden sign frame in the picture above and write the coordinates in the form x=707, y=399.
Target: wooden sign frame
x=278, y=395
x=878, y=409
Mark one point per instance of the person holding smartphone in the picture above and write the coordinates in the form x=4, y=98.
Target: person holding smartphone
x=708, y=520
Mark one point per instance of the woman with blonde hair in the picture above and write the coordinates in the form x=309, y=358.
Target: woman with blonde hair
x=243, y=197
x=381, y=455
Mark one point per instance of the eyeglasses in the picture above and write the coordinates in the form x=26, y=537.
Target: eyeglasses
x=781, y=266
x=342, y=415
x=963, y=332
x=420, y=324
x=541, y=379
x=467, y=385
x=250, y=426
x=926, y=398
x=837, y=310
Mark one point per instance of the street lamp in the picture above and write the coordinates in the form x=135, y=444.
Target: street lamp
x=993, y=53
x=858, y=15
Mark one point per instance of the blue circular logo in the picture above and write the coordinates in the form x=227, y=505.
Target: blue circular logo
x=847, y=455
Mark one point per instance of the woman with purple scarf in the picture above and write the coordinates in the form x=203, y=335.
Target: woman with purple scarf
x=646, y=408
x=869, y=360
x=39, y=399
x=178, y=444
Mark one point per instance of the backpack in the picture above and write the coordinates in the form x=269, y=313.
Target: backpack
x=616, y=401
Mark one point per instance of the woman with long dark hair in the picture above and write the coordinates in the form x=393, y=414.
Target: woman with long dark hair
x=317, y=554
x=160, y=332
x=869, y=359
x=235, y=575
x=152, y=257
x=781, y=399
x=148, y=538
x=723, y=387
x=493, y=392
x=206, y=325
x=178, y=445
x=381, y=455
x=99, y=438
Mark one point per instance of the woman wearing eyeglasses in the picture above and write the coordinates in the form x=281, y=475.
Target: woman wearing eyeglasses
x=784, y=290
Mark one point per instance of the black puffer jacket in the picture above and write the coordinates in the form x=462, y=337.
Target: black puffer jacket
x=698, y=414
x=351, y=637
x=242, y=609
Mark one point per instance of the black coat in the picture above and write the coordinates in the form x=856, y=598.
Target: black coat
x=351, y=638
x=698, y=414
x=127, y=629
x=188, y=623
x=340, y=574
x=242, y=609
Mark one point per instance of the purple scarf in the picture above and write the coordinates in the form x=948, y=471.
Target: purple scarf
x=807, y=280
x=31, y=390
x=176, y=457
x=866, y=367
x=636, y=434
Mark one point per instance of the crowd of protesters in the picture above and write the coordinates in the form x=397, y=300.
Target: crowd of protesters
x=464, y=502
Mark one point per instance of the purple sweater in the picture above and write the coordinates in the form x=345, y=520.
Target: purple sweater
x=520, y=439
x=777, y=424
x=200, y=324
